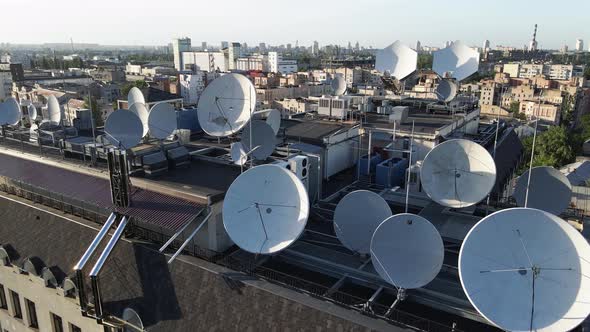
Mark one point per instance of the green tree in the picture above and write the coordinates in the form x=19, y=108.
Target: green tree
x=127, y=87
x=92, y=104
x=424, y=61
x=514, y=107
x=552, y=148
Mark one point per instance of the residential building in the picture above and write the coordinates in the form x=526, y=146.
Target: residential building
x=234, y=52
x=178, y=47
x=207, y=61
x=544, y=111
x=279, y=65
x=252, y=62
x=5, y=84
x=579, y=45
x=193, y=85
x=291, y=106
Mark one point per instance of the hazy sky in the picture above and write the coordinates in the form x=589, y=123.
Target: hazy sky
x=371, y=22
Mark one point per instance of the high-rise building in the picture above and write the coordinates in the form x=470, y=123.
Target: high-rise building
x=418, y=46
x=234, y=52
x=357, y=47
x=486, y=45
x=262, y=47
x=564, y=49
x=203, y=46
x=316, y=48
x=178, y=46
x=224, y=44
x=579, y=45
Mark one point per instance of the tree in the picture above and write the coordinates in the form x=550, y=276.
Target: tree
x=96, y=113
x=127, y=87
x=514, y=107
x=424, y=61
x=552, y=148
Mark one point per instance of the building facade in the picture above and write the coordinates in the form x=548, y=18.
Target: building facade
x=178, y=47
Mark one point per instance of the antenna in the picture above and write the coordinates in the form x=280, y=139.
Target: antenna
x=338, y=84
x=162, y=120
x=356, y=218
x=135, y=96
x=549, y=190
x=265, y=209
x=123, y=129
x=458, y=173
x=225, y=106
x=456, y=61
x=142, y=113
x=259, y=134
x=397, y=60
x=526, y=270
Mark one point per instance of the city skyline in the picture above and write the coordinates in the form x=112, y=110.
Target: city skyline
x=374, y=23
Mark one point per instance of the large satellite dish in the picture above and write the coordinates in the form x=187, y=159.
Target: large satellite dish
x=135, y=96
x=53, y=110
x=446, y=90
x=123, y=129
x=357, y=216
x=265, y=209
x=162, y=120
x=397, y=60
x=338, y=85
x=10, y=113
x=456, y=61
x=458, y=173
x=407, y=251
x=142, y=113
x=226, y=105
x=263, y=137
x=549, y=190
x=238, y=153
x=527, y=270
x=32, y=112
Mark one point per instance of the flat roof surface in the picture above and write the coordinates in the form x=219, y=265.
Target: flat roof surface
x=314, y=130
x=423, y=122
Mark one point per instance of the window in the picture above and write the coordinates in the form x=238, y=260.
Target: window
x=18, y=313
x=57, y=323
x=74, y=328
x=3, y=303
x=32, y=314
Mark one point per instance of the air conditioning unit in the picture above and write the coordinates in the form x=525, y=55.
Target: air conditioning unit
x=299, y=165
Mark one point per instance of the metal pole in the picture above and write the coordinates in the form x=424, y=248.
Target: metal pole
x=369, y=155
x=409, y=168
x=495, y=145
x=526, y=197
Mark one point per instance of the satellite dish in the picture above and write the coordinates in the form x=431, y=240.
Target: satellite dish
x=10, y=113
x=357, y=216
x=273, y=119
x=135, y=96
x=338, y=85
x=123, y=129
x=457, y=61
x=265, y=209
x=53, y=110
x=238, y=154
x=526, y=270
x=33, y=129
x=458, y=173
x=446, y=90
x=162, y=120
x=263, y=137
x=549, y=190
x=142, y=113
x=407, y=251
x=397, y=60
x=226, y=105
x=32, y=112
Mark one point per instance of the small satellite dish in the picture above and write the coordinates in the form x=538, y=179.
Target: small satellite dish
x=10, y=113
x=49, y=277
x=458, y=173
x=162, y=120
x=135, y=96
x=526, y=270
x=265, y=209
x=446, y=90
x=238, y=153
x=338, y=85
x=142, y=113
x=457, y=61
x=32, y=112
x=123, y=129
x=407, y=251
x=53, y=110
x=131, y=316
x=357, y=216
x=397, y=60
x=273, y=119
x=226, y=105
x=549, y=190
x=263, y=137
x=33, y=129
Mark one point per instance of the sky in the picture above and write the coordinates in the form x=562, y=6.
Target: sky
x=375, y=23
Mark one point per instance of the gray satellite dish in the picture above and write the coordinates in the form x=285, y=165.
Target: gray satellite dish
x=263, y=137
x=132, y=317
x=142, y=113
x=162, y=120
x=549, y=190
x=357, y=216
x=458, y=173
x=338, y=85
x=33, y=129
x=49, y=277
x=32, y=112
x=397, y=60
x=10, y=113
x=407, y=251
x=123, y=129
x=53, y=110
x=265, y=209
x=457, y=61
x=135, y=96
x=238, y=153
x=527, y=270
x=226, y=105
x=273, y=119
x=446, y=90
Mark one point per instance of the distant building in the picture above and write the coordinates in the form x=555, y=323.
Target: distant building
x=207, y=61
x=262, y=48
x=234, y=52
x=544, y=111
x=486, y=45
x=579, y=45
x=178, y=47
x=418, y=46
x=193, y=85
x=278, y=65
x=203, y=46
x=316, y=48
x=5, y=84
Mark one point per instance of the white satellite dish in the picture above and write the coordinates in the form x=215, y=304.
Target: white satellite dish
x=549, y=190
x=10, y=113
x=32, y=112
x=135, y=96
x=33, y=130
x=273, y=119
x=263, y=137
x=338, y=84
x=458, y=173
x=446, y=90
x=162, y=120
x=123, y=129
x=397, y=60
x=356, y=217
x=527, y=270
x=53, y=110
x=238, y=153
x=457, y=61
x=142, y=113
x=226, y=105
x=265, y=209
